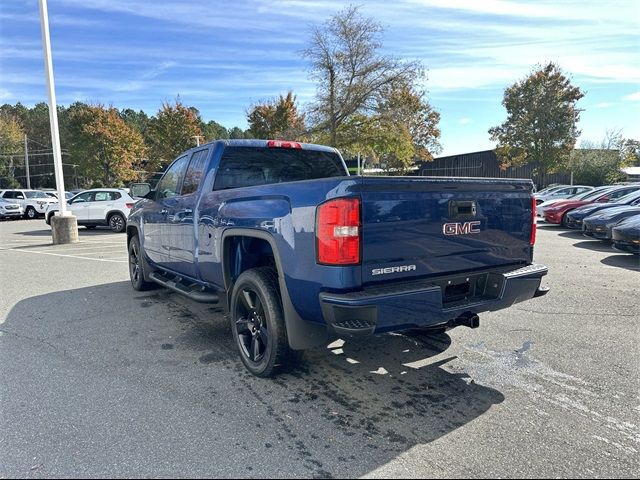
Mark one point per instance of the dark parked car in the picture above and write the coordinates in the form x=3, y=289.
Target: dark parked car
x=576, y=217
x=626, y=235
x=600, y=225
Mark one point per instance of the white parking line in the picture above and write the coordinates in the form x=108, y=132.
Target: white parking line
x=60, y=255
x=80, y=247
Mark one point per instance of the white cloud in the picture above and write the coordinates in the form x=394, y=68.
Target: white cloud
x=465, y=121
x=493, y=7
x=603, y=105
x=634, y=97
x=5, y=94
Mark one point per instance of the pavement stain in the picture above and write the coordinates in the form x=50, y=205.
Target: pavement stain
x=518, y=369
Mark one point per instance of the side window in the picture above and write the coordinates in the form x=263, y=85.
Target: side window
x=115, y=195
x=194, y=172
x=8, y=195
x=620, y=193
x=83, y=197
x=170, y=183
x=18, y=195
x=102, y=196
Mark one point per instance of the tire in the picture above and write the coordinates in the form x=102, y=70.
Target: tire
x=138, y=266
x=30, y=213
x=117, y=222
x=564, y=221
x=257, y=323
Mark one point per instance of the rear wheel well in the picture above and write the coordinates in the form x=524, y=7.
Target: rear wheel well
x=241, y=253
x=115, y=212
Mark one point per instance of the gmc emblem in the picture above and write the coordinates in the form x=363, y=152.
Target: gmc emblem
x=461, y=228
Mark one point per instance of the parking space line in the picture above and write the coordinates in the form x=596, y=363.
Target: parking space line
x=66, y=248
x=61, y=255
x=81, y=247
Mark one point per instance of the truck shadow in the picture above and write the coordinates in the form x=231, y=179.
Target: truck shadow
x=347, y=410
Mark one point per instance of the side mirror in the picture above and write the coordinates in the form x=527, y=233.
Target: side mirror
x=140, y=190
x=151, y=195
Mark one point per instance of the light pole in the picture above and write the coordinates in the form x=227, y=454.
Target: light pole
x=26, y=162
x=64, y=226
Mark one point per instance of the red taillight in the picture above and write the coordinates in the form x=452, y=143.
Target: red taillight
x=129, y=205
x=532, y=239
x=282, y=144
x=338, y=232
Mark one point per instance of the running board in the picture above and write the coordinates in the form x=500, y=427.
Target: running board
x=193, y=290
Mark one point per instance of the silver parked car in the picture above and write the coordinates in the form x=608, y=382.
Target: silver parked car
x=10, y=210
x=561, y=193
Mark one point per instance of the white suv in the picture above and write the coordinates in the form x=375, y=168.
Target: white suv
x=33, y=202
x=101, y=206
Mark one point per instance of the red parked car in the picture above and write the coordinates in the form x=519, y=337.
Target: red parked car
x=557, y=213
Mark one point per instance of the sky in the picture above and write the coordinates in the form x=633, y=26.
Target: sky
x=223, y=56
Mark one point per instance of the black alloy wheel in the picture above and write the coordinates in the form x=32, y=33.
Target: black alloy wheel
x=251, y=325
x=257, y=322
x=117, y=223
x=138, y=266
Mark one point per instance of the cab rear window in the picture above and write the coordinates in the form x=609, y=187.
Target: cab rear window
x=250, y=166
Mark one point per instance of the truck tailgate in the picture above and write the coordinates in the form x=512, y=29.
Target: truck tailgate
x=419, y=227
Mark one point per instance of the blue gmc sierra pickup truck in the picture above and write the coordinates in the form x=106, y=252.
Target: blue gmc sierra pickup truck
x=299, y=252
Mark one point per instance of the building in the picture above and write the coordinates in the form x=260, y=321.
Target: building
x=485, y=164
x=632, y=173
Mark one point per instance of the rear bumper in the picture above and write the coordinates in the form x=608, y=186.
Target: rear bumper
x=429, y=303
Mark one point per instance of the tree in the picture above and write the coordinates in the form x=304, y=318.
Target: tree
x=237, y=132
x=407, y=106
x=541, y=126
x=11, y=143
x=137, y=120
x=110, y=150
x=277, y=119
x=214, y=131
x=172, y=131
x=601, y=163
x=630, y=152
x=346, y=60
x=378, y=139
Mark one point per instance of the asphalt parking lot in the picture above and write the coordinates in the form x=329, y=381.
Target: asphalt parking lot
x=99, y=380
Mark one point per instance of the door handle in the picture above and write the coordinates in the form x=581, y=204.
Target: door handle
x=188, y=211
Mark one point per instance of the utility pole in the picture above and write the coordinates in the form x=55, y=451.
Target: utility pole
x=197, y=137
x=64, y=227
x=26, y=162
x=359, y=164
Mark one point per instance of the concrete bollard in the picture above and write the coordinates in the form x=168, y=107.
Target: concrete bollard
x=64, y=229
